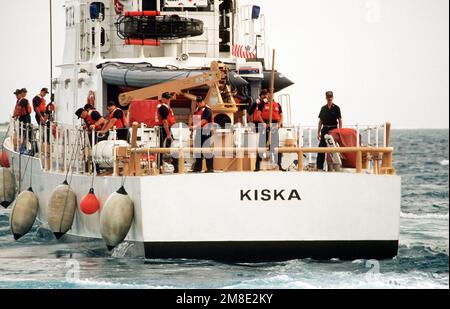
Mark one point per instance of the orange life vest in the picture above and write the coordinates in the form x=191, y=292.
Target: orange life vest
x=43, y=106
x=199, y=112
x=120, y=123
x=23, y=111
x=256, y=112
x=170, y=119
x=276, y=115
x=89, y=121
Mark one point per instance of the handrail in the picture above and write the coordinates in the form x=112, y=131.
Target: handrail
x=235, y=150
x=59, y=149
x=384, y=152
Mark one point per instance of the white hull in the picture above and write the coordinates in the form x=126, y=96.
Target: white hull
x=213, y=216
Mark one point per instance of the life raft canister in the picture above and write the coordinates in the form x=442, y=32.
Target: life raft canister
x=275, y=112
x=170, y=119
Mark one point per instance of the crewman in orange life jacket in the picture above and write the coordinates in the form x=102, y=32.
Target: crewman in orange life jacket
x=40, y=106
x=165, y=119
x=203, y=121
x=92, y=119
x=265, y=127
x=22, y=112
x=253, y=116
x=116, y=119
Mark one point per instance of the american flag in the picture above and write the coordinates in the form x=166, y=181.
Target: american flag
x=242, y=51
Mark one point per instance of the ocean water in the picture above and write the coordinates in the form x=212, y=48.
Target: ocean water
x=421, y=158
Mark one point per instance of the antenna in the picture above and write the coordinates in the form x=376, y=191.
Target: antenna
x=51, y=49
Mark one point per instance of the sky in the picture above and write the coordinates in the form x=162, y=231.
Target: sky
x=386, y=60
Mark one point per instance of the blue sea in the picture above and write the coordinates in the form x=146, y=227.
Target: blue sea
x=421, y=158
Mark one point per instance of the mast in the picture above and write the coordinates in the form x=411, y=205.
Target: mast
x=51, y=49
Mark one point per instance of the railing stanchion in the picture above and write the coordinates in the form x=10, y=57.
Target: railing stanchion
x=92, y=163
x=309, y=145
x=41, y=148
x=300, y=161
x=369, y=144
x=181, y=155
x=66, y=149
x=46, y=167
x=239, y=154
x=50, y=134
x=58, y=149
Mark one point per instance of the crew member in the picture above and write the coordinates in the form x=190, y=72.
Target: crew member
x=202, y=124
x=22, y=112
x=329, y=118
x=253, y=116
x=165, y=119
x=50, y=110
x=40, y=106
x=49, y=117
x=267, y=127
x=92, y=119
x=116, y=119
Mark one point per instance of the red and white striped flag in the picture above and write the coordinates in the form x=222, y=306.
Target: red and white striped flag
x=242, y=51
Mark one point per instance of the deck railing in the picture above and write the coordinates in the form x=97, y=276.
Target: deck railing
x=67, y=149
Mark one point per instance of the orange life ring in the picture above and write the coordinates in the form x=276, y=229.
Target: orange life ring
x=118, y=7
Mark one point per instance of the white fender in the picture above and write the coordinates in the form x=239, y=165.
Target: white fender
x=116, y=218
x=61, y=210
x=23, y=214
x=7, y=187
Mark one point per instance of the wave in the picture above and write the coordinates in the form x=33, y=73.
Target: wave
x=100, y=284
x=444, y=162
x=424, y=216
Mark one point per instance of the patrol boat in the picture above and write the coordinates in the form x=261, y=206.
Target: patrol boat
x=131, y=52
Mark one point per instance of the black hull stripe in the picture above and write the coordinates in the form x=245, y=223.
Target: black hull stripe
x=272, y=251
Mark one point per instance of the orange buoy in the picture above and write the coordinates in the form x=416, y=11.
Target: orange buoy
x=89, y=204
x=4, y=160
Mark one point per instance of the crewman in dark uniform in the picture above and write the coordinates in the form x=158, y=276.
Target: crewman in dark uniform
x=203, y=124
x=50, y=110
x=266, y=128
x=329, y=118
x=116, y=119
x=49, y=116
x=165, y=119
x=40, y=106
